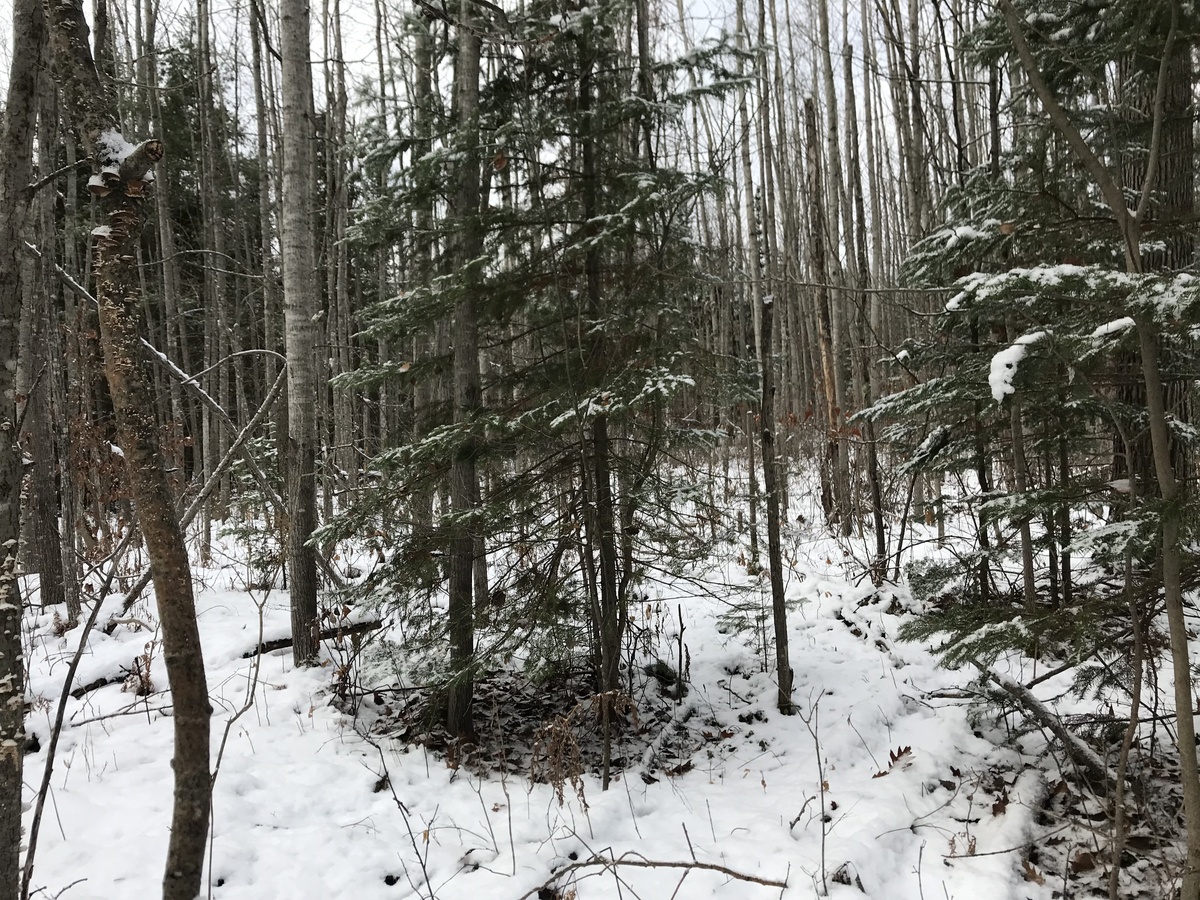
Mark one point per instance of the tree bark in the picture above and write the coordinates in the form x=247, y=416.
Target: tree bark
x=121, y=183
x=300, y=306
x=16, y=148
x=774, y=545
x=464, y=488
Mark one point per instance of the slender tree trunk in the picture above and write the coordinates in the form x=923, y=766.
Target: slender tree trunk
x=59, y=366
x=753, y=257
x=464, y=488
x=421, y=266
x=300, y=306
x=43, y=549
x=771, y=495
x=16, y=148
x=601, y=515
x=272, y=301
x=170, y=284
x=839, y=508
x=870, y=387
x=121, y=183
x=1021, y=485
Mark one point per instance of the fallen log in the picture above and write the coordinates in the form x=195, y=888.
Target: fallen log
x=327, y=634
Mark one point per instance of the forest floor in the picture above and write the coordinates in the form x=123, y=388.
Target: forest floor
x=885, y=784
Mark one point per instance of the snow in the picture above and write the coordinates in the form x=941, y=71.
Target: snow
x=1110, y=328
x=299, y=811
x=1004, y=365
x=112, y=148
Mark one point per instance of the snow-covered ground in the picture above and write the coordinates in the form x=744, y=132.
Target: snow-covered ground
x=881, y=781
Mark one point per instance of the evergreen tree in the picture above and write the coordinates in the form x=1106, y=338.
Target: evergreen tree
x=584, y=294
x=1031, y=391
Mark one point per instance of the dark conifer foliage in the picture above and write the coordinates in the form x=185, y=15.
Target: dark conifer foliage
x=584, y=294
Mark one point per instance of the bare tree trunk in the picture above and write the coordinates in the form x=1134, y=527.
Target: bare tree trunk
x=753, y=257
x=272, y=301
x=783, y=666
x=43, y=548
x=300, y=305
x=838, y=508
x=1021, y=485
x=421, y=267
x=16, y=148
x=173, y=322
x=342, y=400
x=121, y=182
x=464, y=488
x=870, y=388
x=58, y=367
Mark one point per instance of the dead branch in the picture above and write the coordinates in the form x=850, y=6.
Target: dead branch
x=326, y=634
x=1081, y=754
x=636, y=861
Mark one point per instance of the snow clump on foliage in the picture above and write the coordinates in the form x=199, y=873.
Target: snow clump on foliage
x=1004, y=365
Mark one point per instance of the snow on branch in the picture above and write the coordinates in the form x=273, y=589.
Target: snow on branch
x=1004, y=364
x=1078, y=749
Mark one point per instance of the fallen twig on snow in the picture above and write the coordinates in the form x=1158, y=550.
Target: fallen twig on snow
x=326, y=634
x=637, y=861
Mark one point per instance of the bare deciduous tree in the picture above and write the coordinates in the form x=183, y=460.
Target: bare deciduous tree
x=300, y=306
x=121, y=183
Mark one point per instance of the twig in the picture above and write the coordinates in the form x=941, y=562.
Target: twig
x=32, y=189
x=131, y=620
x=813, y=723
x=850, y=722
x=407, y=824
x=636, y=861
x=43, y=890
x=27, y=404
x=134, y=709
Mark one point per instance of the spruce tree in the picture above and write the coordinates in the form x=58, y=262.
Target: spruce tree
x=584, y=290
